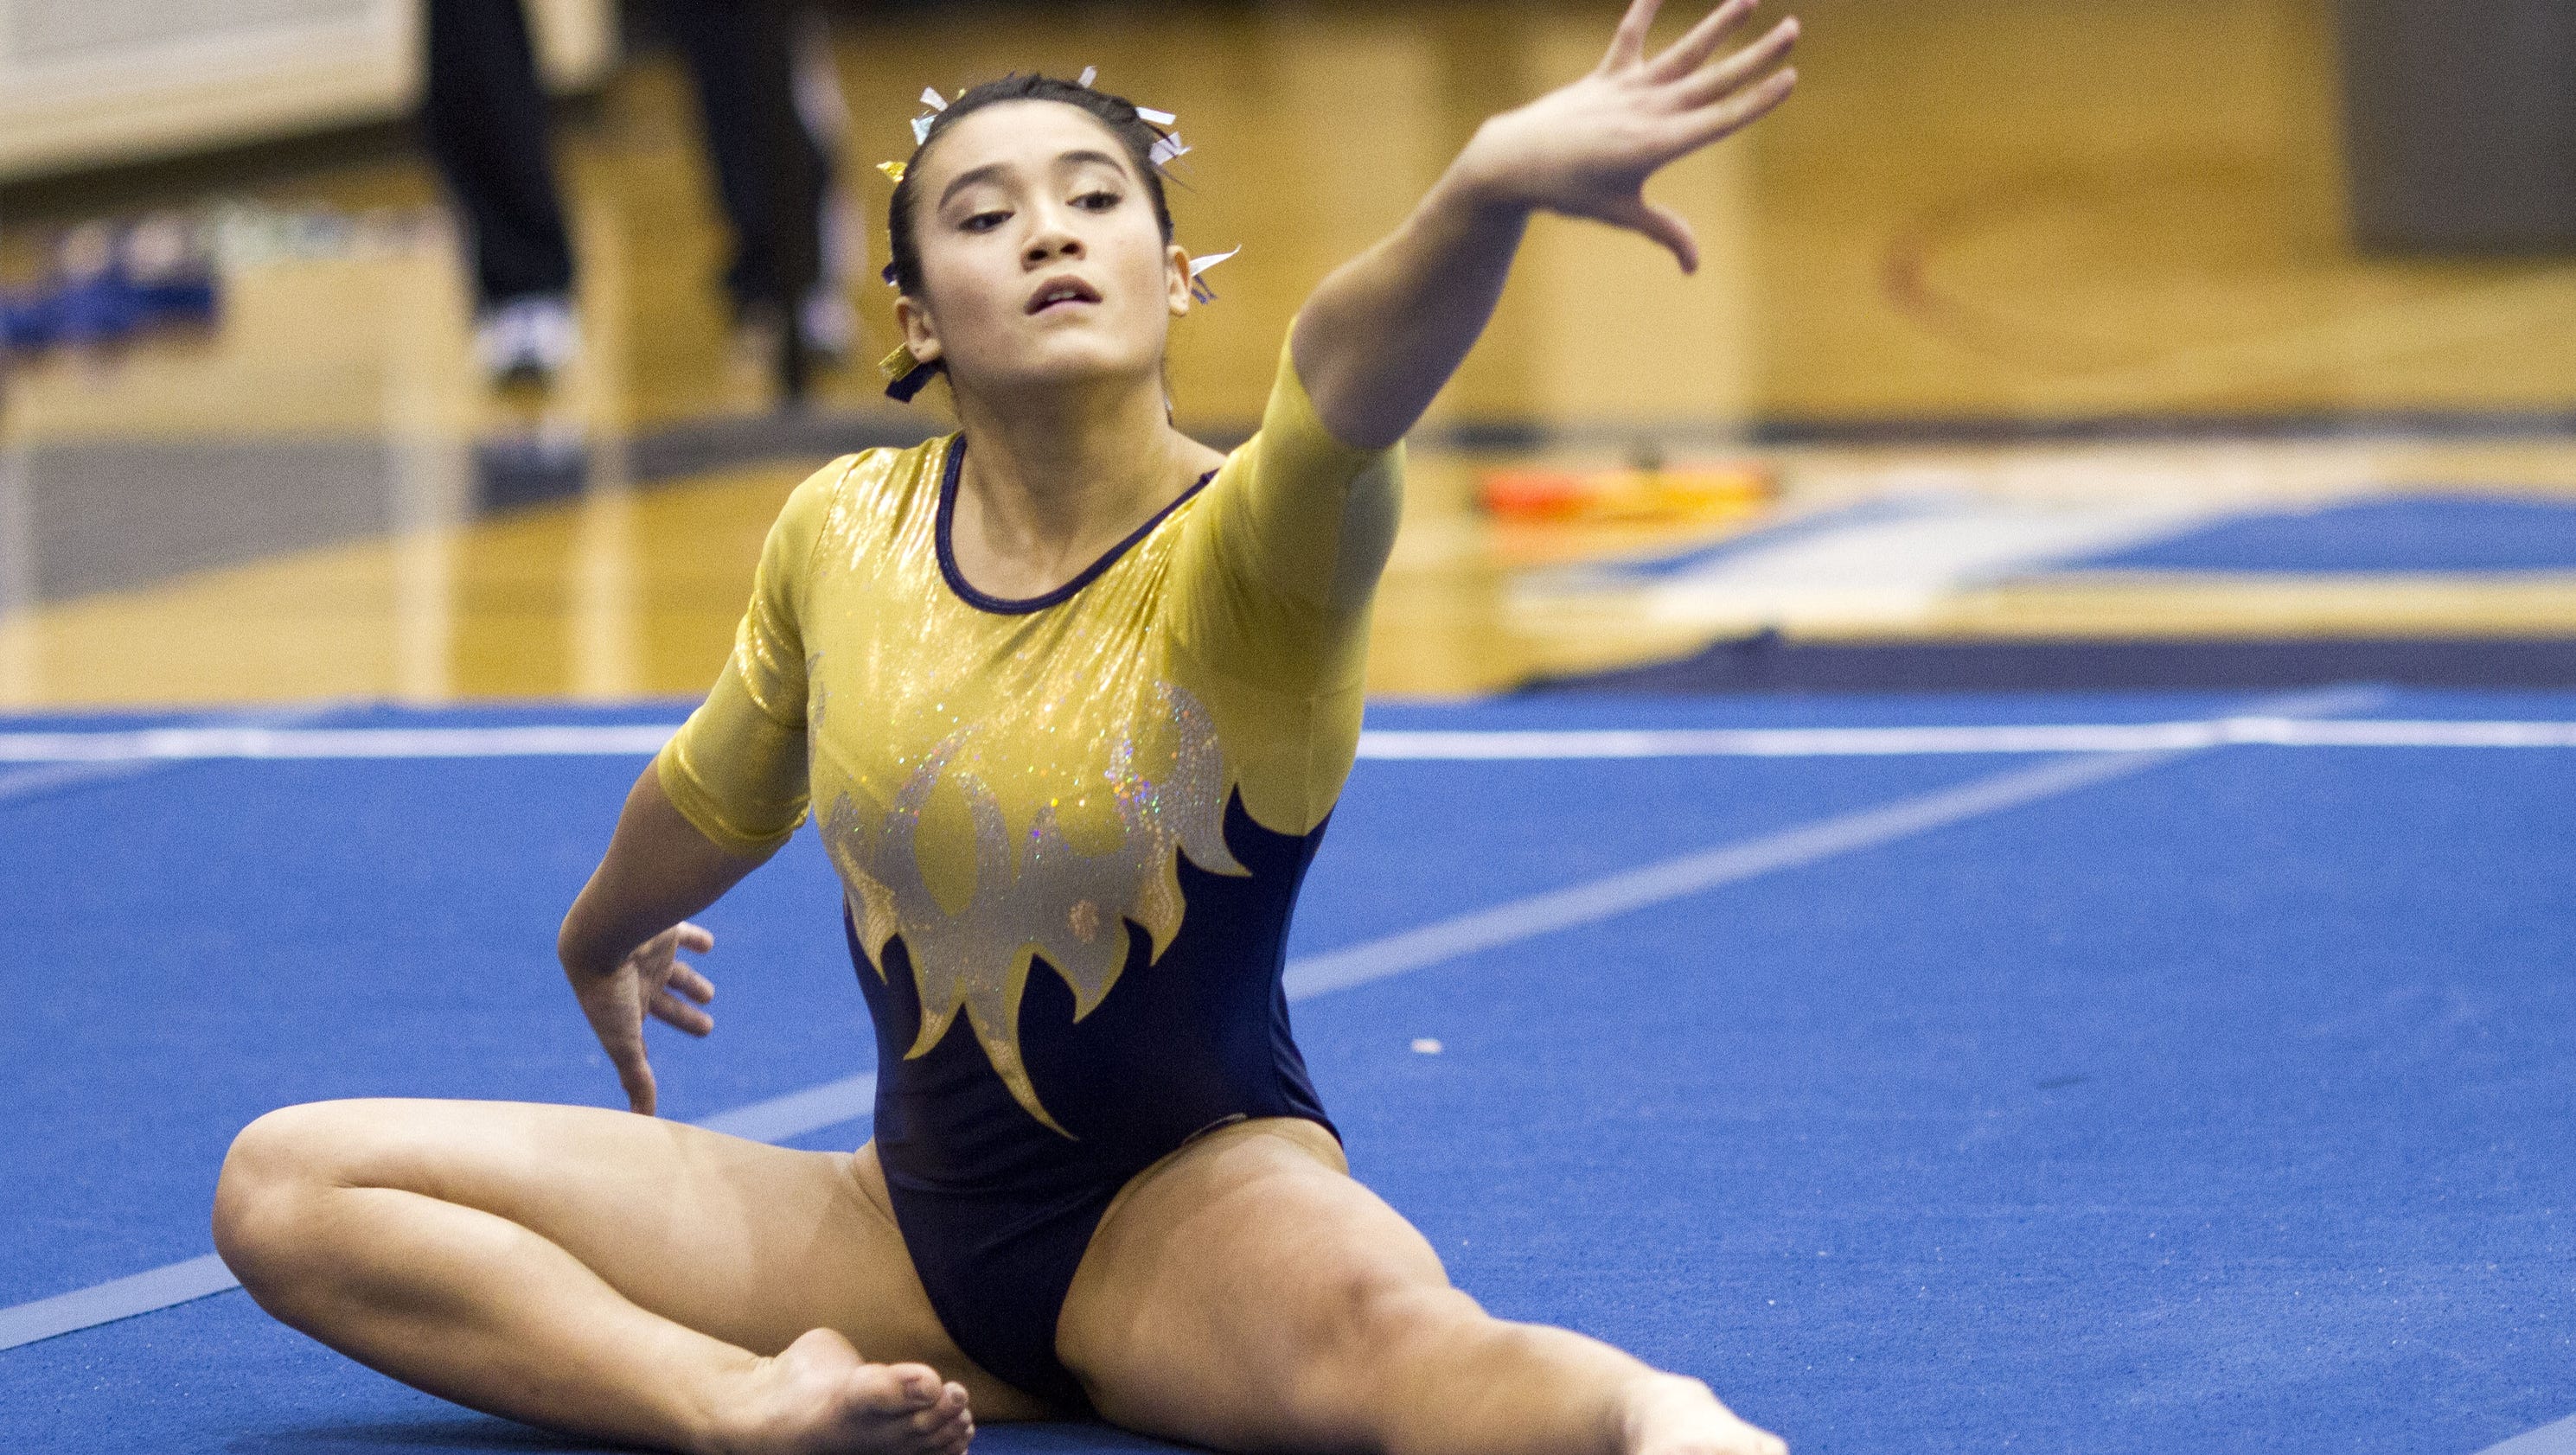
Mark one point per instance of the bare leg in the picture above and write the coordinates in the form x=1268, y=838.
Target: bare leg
x=601, y=1273
x=1247, y=1294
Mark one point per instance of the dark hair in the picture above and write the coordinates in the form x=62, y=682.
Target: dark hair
x=1116, y=113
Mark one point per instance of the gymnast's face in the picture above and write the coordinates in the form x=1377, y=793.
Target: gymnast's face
x=1041, y=261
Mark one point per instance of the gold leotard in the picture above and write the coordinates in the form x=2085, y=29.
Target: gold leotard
x=1074, y=823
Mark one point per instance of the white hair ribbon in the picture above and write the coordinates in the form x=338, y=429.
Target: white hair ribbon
x=1170, y=149
x=1199, y=290
x=1089, y=75
x=1159, y=118
x=921, y=124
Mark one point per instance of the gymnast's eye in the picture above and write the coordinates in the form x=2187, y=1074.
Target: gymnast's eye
x=984, y=221
x=1097, y=201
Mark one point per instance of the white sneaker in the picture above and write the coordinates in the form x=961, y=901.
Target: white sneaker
x=829, y=324
x=527, y=340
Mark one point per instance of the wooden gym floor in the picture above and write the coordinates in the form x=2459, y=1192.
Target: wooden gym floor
x=2079, y=270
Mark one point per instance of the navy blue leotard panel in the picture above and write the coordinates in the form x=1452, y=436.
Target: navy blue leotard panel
x=996, y=1208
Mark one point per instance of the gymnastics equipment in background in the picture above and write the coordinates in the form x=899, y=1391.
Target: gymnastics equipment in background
x=109, y=282
x=1645, y=490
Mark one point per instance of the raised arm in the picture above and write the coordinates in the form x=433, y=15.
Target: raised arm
x=1381, y=335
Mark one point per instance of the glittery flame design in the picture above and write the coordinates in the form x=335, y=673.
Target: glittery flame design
x=1054, y=901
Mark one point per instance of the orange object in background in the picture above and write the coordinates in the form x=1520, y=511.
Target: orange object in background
x=1694, y=492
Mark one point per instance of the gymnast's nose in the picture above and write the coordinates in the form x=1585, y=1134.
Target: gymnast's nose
x=1052, y=240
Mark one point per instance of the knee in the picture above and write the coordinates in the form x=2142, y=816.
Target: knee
x=1375, y=1326
x=267, y=1189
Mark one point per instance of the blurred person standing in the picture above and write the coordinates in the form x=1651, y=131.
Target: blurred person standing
x=770, y=107
x=484, y=116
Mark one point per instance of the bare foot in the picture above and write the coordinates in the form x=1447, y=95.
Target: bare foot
x=1670, y=1415
x=818, y=1397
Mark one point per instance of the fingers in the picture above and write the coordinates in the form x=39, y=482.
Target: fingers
x=1737, y=112
x=686, y=980
x=1699, y=43
x=667, y=1007
x=671, y=1010
x=1663, y=225
x=693, y=937
x=1628, y=43
x=1720, y=79
x=635, y=1075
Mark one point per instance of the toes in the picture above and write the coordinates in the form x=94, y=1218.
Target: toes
x=917, y=1385
x=946, y=1426
x=1758, y=1441
x=1749, y=1440
x=946, y=1429
x=951, y=1410
x=950, y=1405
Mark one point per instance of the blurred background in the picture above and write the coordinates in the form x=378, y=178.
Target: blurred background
x=440, y=350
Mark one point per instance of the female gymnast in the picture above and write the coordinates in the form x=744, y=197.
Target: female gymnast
x=1070, y=708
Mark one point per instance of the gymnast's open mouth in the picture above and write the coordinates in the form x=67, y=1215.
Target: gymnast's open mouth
x=1062, y=291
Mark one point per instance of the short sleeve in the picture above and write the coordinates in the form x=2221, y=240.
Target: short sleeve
x=737, y=767
x=1305, y=514
x=1292, y=538
x=1278, y=565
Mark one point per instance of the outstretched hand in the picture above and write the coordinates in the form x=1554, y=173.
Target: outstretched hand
x=1586, y=150
x=652, y=980
x=1381, y=335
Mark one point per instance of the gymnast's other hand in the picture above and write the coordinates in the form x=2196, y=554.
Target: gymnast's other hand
x=652, y=980
x=1586, y=149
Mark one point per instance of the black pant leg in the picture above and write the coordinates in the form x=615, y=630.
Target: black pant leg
x=485, y=116
x=770, y=171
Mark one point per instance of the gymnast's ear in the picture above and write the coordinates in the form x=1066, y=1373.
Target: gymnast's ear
x=918, y=332
x=1176, y=279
